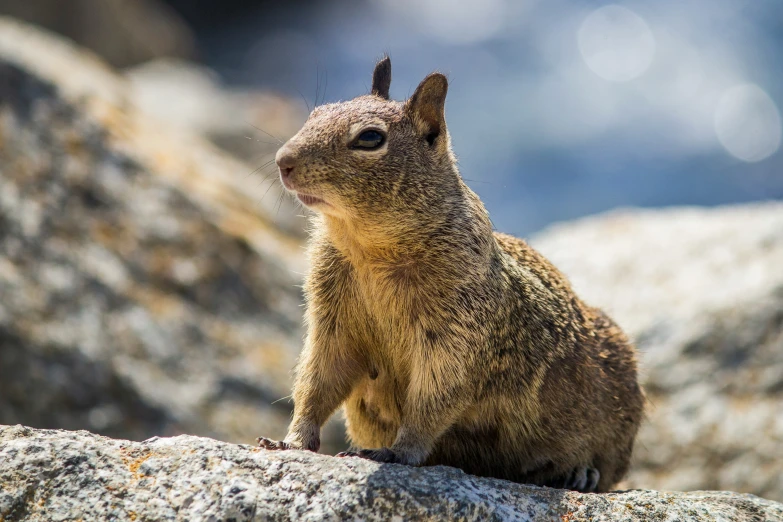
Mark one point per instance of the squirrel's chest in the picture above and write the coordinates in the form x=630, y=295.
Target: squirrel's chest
x=393, y=299
x=383, y=307
x=383, y=319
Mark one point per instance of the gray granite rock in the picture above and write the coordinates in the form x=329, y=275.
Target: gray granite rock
x=701, y=291
x=56, y=475
x=247, y=123
x=123, y=32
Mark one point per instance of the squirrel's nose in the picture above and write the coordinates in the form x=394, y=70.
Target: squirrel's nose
x=286, y=162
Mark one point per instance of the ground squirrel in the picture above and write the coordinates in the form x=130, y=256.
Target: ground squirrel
x=446, y=342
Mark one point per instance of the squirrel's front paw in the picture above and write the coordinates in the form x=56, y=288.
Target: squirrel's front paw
x=313, y=444
x=270, y=444
x=378, y=455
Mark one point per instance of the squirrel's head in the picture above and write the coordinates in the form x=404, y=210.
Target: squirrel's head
x=372, y=158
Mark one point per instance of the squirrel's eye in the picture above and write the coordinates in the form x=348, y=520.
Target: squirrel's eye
x=370, y=139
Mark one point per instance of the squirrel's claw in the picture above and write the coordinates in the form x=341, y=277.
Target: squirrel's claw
x=343, y=454
x=270, y=444
x=583, y=479
x=384, y=455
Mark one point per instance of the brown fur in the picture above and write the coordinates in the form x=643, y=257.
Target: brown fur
x=445, y=342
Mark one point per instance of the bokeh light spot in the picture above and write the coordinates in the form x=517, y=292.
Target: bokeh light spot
x=747, y=123
x=454, y=23
x=616, y=43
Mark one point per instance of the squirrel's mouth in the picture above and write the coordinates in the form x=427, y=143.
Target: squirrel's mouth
x=309, y=201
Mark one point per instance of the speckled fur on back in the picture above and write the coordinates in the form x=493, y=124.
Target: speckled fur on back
x=445, y=342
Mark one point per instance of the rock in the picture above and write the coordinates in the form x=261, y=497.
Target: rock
x=123, y=32
x=246, y=123
x=701, y=291
x=148, y=285
x=55, y=475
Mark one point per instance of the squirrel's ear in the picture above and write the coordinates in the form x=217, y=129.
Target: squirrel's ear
x=381, y=78
x=427, y=106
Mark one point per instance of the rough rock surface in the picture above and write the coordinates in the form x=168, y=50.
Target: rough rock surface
x=123, y=32
x=245, y=123
x=701, y=291
x=148, y=285
x=55, y=475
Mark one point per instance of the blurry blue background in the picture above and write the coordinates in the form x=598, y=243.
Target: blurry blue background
x=557, y=108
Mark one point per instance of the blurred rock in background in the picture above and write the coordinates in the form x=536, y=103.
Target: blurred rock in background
x=123, y=32
x=149, y=282
x=701, y=292
x=156, y=47
x=244, y=122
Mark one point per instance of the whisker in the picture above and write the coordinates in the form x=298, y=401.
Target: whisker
x=317, y=84
x=266, y=178
x=281, y=399
x=265, y=165
x=272, y=169
x=279, y=204
x=269, y=161
x=260, y=157
x=265, y=132
x=478, y=181
x=304, y=100
x=326, y=84
x=269, y=175
x=267, y=190
x=260, y=141
x=268, y=167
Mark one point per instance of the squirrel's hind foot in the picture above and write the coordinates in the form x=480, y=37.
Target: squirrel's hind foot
x=384, y=455
x=583, y=479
